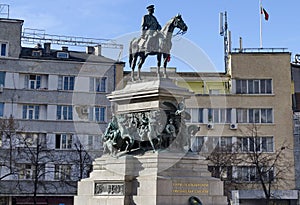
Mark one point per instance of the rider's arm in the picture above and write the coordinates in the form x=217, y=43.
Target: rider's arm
x=144, y=23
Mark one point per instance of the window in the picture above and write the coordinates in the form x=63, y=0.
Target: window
x=98, y=84
x=196, y=115
x=3, y=48
x=267, y=144
x=198, y=144
x=263, y=86
x=32, y=81
x=221, y=172
x=62, y=55
x=98, y=114
x=66, y=82
x=225, y=142
x=28, y=171
x=2, y=78
x=31, y=112
x=246, y=173
x=1, y=109
x=258, y=115
x=219, y=115
x=62, y=172
x=32, y=140
x=63, y=141
x=250, y=174
x=64, y=112
x=214, y=92
x=36, y=53
x=257, y=144
x=93, y=142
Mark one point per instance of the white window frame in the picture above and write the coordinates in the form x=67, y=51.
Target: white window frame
x=255, y=115
x=4, y=51
x=64, y=141
x=33, y=81
x=262, y=144
x=249, y=173
x=98, y=84
x=32, y=139
x=198, y=143
x=94, y=141
x=66, y=82
x=254, y=86
x=64, y=112
x=26, y=171
x=31, y=112
x=219, y=115
x=102, y=117
x=62, y=172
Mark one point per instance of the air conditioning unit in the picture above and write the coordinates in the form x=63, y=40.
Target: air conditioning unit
x=85, y=110
x=233, y=126
x=210, y=126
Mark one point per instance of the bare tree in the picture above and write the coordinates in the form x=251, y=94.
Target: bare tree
x=8, y=129
x=264, y=165
x=34, y=156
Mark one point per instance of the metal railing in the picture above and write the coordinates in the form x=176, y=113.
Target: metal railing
x=39, y=36
x=260, y=50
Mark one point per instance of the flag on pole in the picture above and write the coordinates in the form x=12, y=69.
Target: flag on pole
x=263, y=11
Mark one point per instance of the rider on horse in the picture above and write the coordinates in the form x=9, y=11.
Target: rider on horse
x=150, y=27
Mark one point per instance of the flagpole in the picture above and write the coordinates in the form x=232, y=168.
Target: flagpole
x=260, y=23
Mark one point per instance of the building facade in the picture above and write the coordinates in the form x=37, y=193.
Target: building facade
x=53, y=110
x=247, y=110
x=295, y=70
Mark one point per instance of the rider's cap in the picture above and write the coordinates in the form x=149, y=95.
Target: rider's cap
x=150, y=7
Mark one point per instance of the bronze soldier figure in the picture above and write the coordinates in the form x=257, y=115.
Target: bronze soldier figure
x=150, y=26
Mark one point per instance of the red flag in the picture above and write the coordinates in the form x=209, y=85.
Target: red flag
x=263, y=11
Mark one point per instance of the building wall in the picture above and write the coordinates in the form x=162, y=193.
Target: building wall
x=11, y=34
x=86, y=130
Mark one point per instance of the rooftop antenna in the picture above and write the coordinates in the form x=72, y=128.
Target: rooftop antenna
x=223, y=29
x=4, y=11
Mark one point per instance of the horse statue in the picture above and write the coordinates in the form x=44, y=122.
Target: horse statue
x=160, y=46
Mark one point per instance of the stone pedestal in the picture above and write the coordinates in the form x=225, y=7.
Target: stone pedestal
x=163, y=178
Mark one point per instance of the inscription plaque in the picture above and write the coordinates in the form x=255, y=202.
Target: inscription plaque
x=190, y=188
x=105, y=188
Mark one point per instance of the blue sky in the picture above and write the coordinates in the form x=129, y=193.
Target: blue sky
x=118, y=18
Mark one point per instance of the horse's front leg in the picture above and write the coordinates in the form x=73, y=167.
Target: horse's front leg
x=166, y=58
x=140, y=64
x=158, y=64
x=133, y=64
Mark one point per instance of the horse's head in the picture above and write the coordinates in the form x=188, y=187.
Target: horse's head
x=179, y=23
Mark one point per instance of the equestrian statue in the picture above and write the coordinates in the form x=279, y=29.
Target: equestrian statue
x=154, y=41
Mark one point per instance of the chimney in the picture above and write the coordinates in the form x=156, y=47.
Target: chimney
x=90, y=50
x=98, y=50
x=241, y=44
x=47, y=48
x=64, y=48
